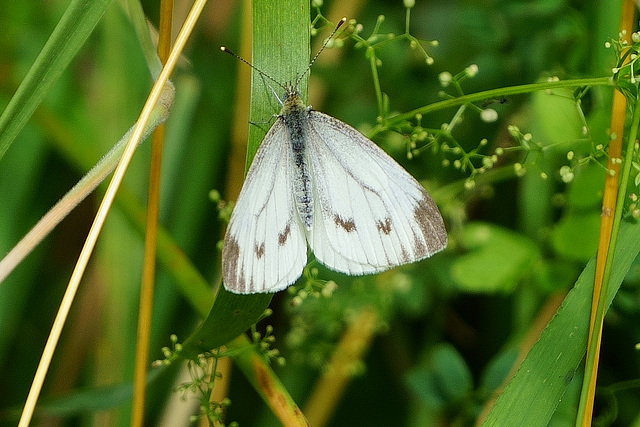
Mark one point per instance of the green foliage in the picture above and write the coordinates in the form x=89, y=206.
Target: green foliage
x=550, y=366
x=496, y=260
x=462, y=94
x=444, y=379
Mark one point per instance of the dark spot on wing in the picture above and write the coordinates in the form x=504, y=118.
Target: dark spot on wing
x=404, y=255
x=384, y=226
x=421, y=251
x=259, y=250
x=282, y=237
x=233, y=279
x=428, y=217
x=348, y=224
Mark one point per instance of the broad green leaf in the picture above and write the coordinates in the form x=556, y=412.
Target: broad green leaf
x=230, y=316
x=443, y=379
x=533, y=394
x=497, y=370
x=585, y=191
x=496, y=259
x=555, y=274
x=576, y=235
x=557, y=118
x=281, y=50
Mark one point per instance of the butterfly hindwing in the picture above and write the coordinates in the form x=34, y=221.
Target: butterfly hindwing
x=265, y=249
x=315, y=179
x=370, y=214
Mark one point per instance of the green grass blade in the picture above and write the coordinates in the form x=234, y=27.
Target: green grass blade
x=533, y=394
x=280, y=49
x=74, y=27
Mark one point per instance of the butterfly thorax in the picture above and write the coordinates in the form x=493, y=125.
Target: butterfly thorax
x=296, y=119
x=292, y=101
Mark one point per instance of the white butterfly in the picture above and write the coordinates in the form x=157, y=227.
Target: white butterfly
x=316, y=180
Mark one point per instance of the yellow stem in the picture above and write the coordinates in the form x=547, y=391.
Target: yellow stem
x=349, y=351
x=150, y=241
x=609, y=200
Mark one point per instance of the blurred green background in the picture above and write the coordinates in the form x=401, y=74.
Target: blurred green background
x=447, y=329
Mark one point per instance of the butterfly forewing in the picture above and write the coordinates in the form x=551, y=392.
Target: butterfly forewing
x=315, y=179
x=370, y=214
x=265, y=248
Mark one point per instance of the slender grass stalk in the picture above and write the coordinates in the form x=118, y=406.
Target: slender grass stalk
x=150, y=242
x=77, y=23
x=612, y=211
x=280, y=48
x=81, y=190
x=588, y=391
x=487, y=94
x=266, y=383
x=78, y=272
x=350, y=350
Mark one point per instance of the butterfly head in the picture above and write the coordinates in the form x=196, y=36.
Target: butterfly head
x=291, y=100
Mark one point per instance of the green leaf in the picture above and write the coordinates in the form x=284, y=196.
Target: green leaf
x=497, y=370
x=230, y=316
x=585, y=191
x=554, y=275
x=576, y=235
x=281, y=50
x=443, y=379
x=497, y=258
x=558, y=118
x=532, y=395
x=74, y=27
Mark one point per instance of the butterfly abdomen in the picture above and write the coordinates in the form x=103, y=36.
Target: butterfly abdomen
x=296, y=123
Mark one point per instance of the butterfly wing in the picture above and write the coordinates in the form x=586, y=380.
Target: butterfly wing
x=370, y=214
x=265, y=249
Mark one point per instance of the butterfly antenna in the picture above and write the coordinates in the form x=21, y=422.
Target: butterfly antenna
x=259, y=71
x=326, y=42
